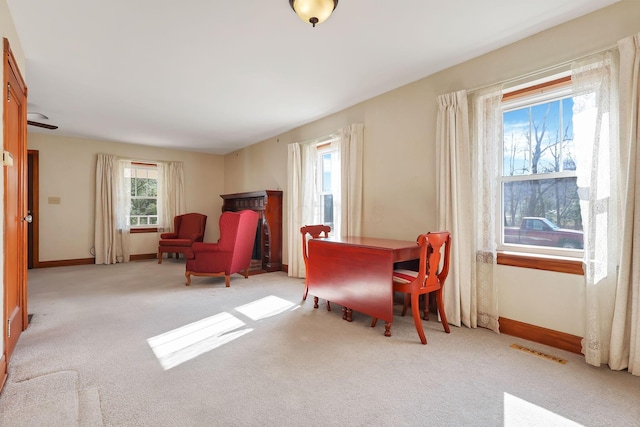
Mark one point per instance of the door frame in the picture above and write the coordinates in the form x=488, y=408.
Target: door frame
x=33, y=206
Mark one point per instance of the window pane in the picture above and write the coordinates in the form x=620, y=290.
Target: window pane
x=538, y=139
x=568, y=146
x=133, y=187
x=546, y=143
x=141, y=187
x=134, y=220
x=542, y=212
x=143, y=207
x=326, y=172
x=152, y=187
x=516, y=143
x=327, y=200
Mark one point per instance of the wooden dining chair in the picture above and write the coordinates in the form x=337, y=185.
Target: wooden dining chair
x=312, y=232
x=434, y=247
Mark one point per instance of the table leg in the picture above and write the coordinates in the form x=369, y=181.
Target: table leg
x=387, y=329
x=349, y=315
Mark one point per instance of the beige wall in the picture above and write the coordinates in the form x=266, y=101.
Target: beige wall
x=68, y=169
x=7, y=30
x=399, y=185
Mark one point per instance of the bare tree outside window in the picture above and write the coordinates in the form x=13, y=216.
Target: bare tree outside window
x=540, y=205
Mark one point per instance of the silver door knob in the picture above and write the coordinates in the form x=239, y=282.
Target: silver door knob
x=28, y=218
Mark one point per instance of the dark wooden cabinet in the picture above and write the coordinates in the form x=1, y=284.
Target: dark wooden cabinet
x=268, y=244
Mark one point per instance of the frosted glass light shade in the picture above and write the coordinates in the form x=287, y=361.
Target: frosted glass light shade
x=313, y=11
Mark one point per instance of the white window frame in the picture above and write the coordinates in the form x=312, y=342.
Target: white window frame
x=514, y=104
x=323, y=149
x=146, y=167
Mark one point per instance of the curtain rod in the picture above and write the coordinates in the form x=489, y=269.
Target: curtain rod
x=545, y=70
x=320, y=140
x=145, y=161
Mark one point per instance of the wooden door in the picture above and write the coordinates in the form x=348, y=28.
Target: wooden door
x=15, y=205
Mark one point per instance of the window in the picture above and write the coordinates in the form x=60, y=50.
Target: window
x=540, y=211
x=324, y=183
x=143, y=210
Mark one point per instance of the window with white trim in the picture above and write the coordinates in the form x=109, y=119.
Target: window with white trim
x=325, y=183
x=143, y=210
x=539, y=204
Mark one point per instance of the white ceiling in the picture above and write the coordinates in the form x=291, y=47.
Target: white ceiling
x=214, y=76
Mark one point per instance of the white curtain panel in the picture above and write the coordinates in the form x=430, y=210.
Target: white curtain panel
x=113, y=193
x=486, y=142
x=294, y=209
x=625, y=333
x=595, y=132
x=302, y=204
x=351, y=139
x=453, y=204
x=466, y=178
x=171, y=193
x=310, y=209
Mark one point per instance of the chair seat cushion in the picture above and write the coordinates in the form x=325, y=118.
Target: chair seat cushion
x=404, y=276
x=176, y=242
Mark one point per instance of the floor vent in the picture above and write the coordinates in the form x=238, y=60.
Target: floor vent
x=539, y=354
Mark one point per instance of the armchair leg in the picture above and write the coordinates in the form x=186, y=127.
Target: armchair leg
x=159, y=257
x=188, y=276
x=227, y=280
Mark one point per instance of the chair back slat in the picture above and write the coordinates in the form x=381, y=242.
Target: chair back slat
x=438, y=247
x=313, y=232
x=434, y=248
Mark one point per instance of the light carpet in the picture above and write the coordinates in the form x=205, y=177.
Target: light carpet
x=130, y=345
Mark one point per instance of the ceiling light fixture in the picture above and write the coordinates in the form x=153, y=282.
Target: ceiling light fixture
x=313, y=11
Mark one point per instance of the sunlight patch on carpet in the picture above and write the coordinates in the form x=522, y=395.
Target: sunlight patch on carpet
x=265, y=307
x=539, y=354
x=519, y=412
x=190, y=341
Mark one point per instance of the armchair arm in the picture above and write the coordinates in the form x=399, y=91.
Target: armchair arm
x=197, y=237
x=169, y=236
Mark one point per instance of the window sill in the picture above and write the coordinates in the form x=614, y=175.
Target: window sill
x=144, y=230
x=538, y=262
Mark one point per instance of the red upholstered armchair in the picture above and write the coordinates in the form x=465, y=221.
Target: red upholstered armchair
x=232, y=253
x=187, y=229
